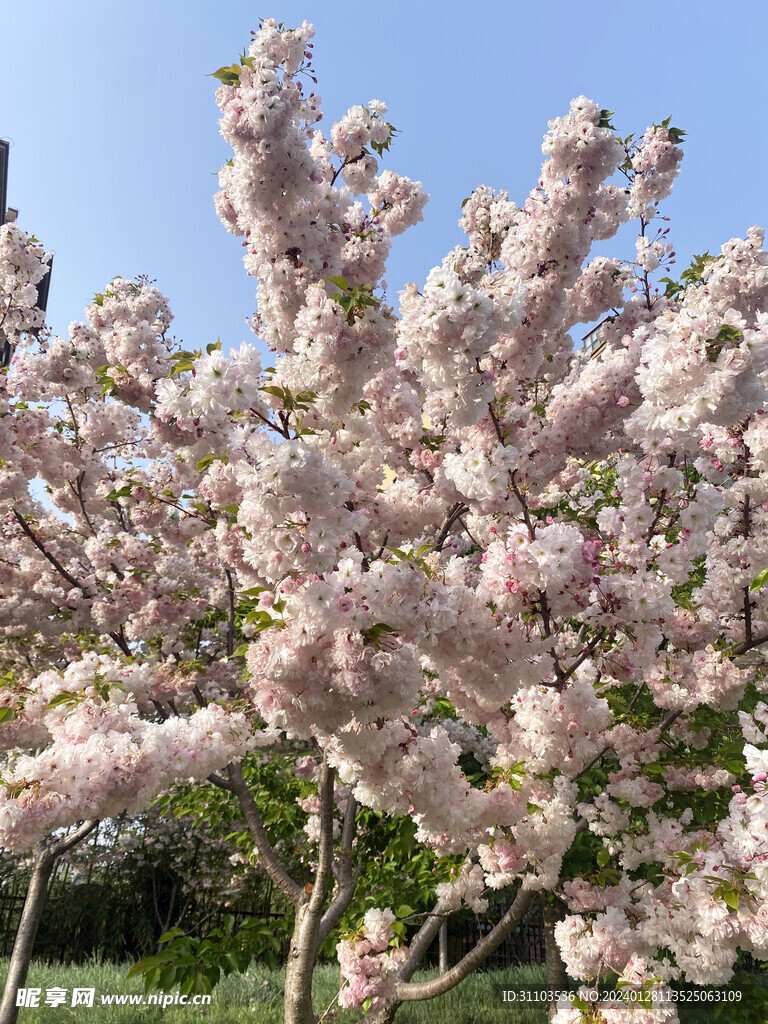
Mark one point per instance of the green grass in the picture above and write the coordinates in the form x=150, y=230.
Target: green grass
x=256, y=997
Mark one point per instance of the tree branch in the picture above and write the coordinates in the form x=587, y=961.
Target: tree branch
x=420, y=943
x=325, y=848
x=473, y=959
x=231, y=622
x=455, y=512
x=67, y=842
x=217, y=780
x=346, y=877
x=47, y=554
x=267, y=855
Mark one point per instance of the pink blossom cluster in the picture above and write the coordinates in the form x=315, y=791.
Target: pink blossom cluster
x=368, y=962
x=101, y=758
x=23, y=264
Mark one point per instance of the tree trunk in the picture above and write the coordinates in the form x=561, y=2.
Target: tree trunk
x=384, y=1015
x=307, y=930
x=300, y=967
x=557, y=978
x=442, y=943
x=25, y=936
x=37, y=893
x=311, y=926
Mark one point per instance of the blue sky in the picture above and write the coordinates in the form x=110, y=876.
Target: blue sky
x=115, y=141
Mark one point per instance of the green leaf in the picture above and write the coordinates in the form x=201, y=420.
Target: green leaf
x=726, y=335
x=605, y=119
x=207, y=460
x=6, y=714
x=187, y=986
x=151, y=978
x=731, y=898
x=167, y=978
x=307, y=396
x=227, y=75
x=122, y=492
x=65, y=697
x=339, y=281
x=759, y=581
x=143, y=965
x=603, y=856
x=374, y=633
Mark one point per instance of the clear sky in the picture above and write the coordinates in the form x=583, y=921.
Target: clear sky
x=115, y=141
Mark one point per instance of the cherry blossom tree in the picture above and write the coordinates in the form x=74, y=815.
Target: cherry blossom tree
x=468, y=576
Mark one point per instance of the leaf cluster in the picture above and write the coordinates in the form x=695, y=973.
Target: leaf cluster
x=353, y=300
x=195, y=965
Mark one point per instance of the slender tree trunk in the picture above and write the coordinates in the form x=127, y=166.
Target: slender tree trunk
x=557, y=978
x=37, y=893
x=25, y=935
x=307, y=933
x=315, y=917
x=300, y=967
x=443, y=947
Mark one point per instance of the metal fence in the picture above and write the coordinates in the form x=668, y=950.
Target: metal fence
x=71, y=944
x=525, y=945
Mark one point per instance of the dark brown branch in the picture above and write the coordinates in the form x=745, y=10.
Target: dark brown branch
x=269, y=423
x=346, y=876
x=160, y=709
x=523, y=505
x=267, y=856
x=589, y=649
x=47, y=554
x=668, y=719
x=658, y=516
x=231, y=621
x=747, y=598
x=591, y=764
x=757, y=641
x=455, y=512
x=465, y=528
x=77, y=490
x=119, y=637
x=217, y=780
x=635, y=697
x=67, y=842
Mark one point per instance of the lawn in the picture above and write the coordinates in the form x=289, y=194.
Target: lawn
x=256, y=998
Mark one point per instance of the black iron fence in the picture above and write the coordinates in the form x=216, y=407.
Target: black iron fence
x=77, y=925
x=525, y=945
